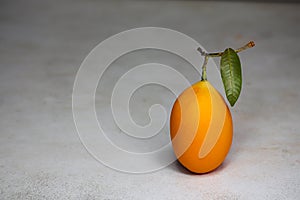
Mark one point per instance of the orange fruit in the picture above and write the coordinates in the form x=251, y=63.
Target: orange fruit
x=201, y=128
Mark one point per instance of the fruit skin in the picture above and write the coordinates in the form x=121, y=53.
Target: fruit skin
x=201, y=120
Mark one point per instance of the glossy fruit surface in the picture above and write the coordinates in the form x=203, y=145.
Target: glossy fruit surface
x=201, y=128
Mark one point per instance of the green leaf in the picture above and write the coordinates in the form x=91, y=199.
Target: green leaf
x=231, y=73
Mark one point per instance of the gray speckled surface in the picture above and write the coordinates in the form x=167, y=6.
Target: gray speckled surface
x=42, y=46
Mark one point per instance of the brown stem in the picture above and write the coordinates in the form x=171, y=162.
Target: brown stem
x=247, y=46
x=218, y=54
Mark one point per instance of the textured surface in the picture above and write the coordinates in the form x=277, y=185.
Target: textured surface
x=42, y=46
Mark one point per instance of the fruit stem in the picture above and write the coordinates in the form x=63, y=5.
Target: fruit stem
x=204, y=76
x=218, y=54
x=246, y=46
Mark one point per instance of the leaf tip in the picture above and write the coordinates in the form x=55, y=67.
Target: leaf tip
x=232, y=103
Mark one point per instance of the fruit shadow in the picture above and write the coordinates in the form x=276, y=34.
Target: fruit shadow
x=176, y=166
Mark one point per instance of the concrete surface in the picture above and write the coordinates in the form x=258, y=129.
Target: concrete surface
x=42, y=47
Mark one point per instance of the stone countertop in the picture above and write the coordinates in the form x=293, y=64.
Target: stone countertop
x=42, y=47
